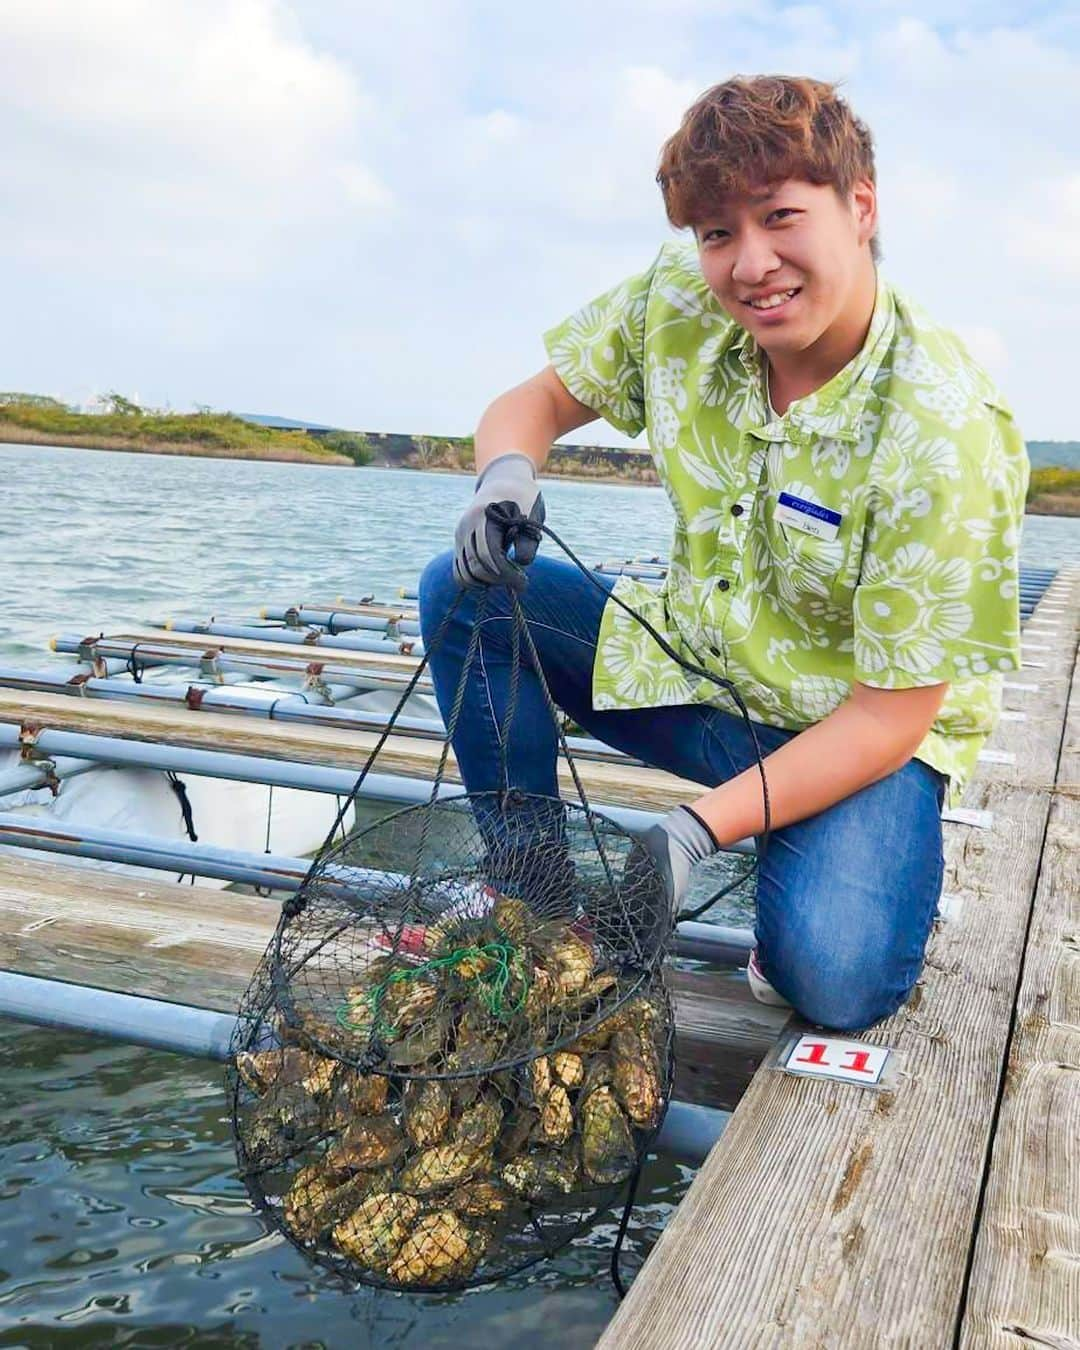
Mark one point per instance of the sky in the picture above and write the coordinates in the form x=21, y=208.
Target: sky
x=366, y=214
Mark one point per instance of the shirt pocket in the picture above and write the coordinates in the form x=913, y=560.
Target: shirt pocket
x=809, y=567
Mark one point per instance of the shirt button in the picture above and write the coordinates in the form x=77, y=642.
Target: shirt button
x=736, y=510
x=723, y=585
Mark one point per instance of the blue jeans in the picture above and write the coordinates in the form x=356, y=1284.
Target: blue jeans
x=845, y=898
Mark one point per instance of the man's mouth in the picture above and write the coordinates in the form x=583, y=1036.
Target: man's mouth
x=775, y=301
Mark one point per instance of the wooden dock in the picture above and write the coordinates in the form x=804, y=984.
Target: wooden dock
x=945, y=1210
x=942, y=1211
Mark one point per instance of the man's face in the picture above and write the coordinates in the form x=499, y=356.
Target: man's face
x=789, y=236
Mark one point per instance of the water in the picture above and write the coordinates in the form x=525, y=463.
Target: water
x=122, y=1222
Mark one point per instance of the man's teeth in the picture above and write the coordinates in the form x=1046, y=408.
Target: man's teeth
x=773, y=300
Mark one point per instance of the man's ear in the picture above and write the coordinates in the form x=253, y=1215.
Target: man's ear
x=864, y=206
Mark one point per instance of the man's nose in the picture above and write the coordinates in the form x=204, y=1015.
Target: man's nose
x=755, y=258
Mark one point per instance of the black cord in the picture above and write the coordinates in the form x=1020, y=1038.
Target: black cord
x=624, y=1223
x=694, y=668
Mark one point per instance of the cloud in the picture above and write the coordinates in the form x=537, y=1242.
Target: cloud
x=368, y=214
x=193, y=134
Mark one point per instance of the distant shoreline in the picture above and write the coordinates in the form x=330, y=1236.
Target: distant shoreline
x=13, y=434
x=1043, y=504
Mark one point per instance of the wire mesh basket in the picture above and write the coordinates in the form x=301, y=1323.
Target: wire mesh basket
x=436, y=1082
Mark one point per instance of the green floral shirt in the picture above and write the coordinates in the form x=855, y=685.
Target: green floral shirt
x=910, y=444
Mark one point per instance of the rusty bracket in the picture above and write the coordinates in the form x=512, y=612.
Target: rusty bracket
x=30, y=754
x=210, y=665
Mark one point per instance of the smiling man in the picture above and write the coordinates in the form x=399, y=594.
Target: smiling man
x=848, y=488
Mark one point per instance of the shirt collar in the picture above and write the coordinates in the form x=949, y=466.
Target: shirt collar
x=835, y=410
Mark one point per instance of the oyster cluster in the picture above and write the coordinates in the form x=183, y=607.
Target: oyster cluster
x=417, y=1181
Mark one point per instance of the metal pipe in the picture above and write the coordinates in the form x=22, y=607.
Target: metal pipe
x=695, y=941
x=298, y=637
x=282, y=705
x=688, y=1132
x=30, y=776
x=214, y=661
x=279, y=772
x=338, y=620
x=179, y=855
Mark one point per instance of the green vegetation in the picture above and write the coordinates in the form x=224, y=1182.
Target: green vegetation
x=1053, y=481
x=352, y=443
x=1054, y=492
x=126, y=426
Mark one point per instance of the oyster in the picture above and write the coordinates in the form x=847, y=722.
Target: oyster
x=278, y=1122
x=483, y=1200
x=541, y=1175
x=541, y=995
x=404, y=1003
x=478, y=1125
x=570, y=957
x=360, y=1094
x=442, y=1166
x=607, y=1148
x=590, y=992
x=556, y=1117
x=262, y=1070
x=422, y=1042
x=539, y=1079
x=373, y=1234
x=639, y=1013
x=259, y=1069
x=512, y=917
x=635, y=1076
x=425, y=1110
x=315, y=1200
x=597, y=1074
x=369, y=1142
x=441, y=1247
x=568, y=1068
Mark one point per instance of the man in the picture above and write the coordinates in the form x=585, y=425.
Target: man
x=848, y=488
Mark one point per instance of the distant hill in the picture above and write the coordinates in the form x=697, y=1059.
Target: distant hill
x=1051, y=454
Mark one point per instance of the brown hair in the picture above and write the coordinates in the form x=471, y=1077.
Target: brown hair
x=747, y=132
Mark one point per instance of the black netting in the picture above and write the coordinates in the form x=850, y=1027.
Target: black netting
x=458, y=1045
x=446, y=1170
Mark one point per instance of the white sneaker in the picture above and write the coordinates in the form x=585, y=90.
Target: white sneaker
x=760, y=987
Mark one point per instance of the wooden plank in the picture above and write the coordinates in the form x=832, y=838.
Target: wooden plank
x=831, y=1217
x=190, y=944
x=613, y=783
x=1025, y=1279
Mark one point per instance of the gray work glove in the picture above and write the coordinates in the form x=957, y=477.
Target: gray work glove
x=657, y=875
x=483, y=538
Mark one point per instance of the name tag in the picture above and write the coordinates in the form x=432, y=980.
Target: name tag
x=809, y=517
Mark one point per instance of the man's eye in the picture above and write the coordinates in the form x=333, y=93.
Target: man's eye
x=785, y=211
x=714, y=234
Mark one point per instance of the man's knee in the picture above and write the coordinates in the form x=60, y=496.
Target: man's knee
x=845, y=994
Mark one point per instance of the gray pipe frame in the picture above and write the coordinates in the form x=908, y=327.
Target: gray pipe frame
x=309, y=638
x=279, y=773
x=246, y=702
x=693, y=941
x=688, y=1132
x=162, y=654
x=178, y=855
x=340, y=621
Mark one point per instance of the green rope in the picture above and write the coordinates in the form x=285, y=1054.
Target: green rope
x=493, y=984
